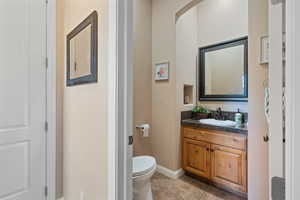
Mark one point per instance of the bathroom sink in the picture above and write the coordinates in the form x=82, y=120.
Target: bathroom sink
x=226, y=123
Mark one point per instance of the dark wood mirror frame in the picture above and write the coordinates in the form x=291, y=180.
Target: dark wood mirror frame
x=92, y=20
x=223, y=97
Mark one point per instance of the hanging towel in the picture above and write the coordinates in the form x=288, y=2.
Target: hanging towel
x=267, y=104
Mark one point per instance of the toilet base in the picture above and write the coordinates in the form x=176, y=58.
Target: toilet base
x=142, y=190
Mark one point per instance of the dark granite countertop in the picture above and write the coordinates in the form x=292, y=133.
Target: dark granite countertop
x=197, y=124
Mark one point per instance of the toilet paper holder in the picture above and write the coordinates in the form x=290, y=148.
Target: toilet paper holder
x=140, y=127
x=144, y=129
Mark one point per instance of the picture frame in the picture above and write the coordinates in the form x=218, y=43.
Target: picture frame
x=82, y=52
x=162, y=71
x=202, y=69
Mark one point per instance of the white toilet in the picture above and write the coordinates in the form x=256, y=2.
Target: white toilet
x=143, y=169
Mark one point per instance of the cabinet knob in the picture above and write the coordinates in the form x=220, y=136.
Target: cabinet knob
x=207, y=149
x=212, y=150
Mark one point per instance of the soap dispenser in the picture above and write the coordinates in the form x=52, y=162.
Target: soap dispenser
x=238, y=118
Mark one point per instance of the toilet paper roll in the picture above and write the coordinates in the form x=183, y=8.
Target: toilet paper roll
x=145, y=130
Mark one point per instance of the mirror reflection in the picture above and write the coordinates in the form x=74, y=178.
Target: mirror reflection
x=224, y=71
x=80, y=54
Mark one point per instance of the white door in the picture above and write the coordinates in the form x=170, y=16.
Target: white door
x=22, y=99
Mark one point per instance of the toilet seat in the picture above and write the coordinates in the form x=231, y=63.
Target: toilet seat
x=142, y=165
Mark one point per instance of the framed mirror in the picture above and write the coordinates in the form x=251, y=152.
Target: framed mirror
x=223, y=71
x=82, y=52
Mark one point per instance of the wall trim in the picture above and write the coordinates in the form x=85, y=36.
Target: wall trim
x=170, y=173
x=112, y=103
x=51, y=100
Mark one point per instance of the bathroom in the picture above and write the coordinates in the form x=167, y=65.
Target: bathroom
x=149, y=100
x=179, y=53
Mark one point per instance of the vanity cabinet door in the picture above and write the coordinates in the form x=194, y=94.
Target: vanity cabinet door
x=196, y=157
x=229, y=167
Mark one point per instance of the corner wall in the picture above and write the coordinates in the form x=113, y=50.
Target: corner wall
x=85, y=115
x=164, y=100
x=142, y=69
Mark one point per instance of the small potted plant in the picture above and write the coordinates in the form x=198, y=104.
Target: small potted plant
x=199, y=112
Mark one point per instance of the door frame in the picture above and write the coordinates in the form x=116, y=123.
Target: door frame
x=51, y=100
x=292, y=97
x=120, y=98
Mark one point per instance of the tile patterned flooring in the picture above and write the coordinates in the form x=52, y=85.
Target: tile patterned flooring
x=187, y=188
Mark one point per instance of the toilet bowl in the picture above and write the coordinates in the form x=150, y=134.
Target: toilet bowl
x=143, y=169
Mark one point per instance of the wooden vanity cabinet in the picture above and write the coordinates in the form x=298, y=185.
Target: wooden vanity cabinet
x=197, y=157
x=228, y=167
x=219, y=157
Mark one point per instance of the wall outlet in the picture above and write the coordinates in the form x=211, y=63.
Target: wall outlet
x=82, y=196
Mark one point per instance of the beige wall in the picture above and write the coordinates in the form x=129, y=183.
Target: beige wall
x=220, y=20
x=142, y=74
x=60, y=96
x=85, y=115
x=164, y=100
x=258, y=150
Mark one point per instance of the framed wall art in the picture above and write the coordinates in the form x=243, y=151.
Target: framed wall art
x=162, y=71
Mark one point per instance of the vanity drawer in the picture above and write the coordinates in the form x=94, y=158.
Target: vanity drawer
x=194, y=134
x=228, y=139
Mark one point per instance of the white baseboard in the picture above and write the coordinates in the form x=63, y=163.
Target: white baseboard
x=170, y=173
